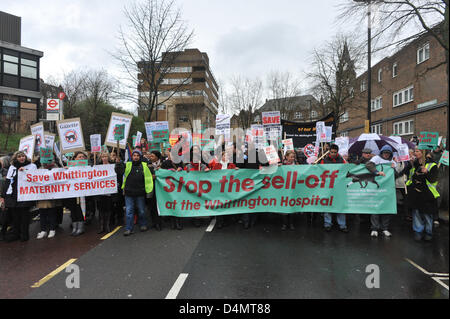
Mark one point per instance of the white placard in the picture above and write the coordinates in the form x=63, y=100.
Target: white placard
x=403, y=152
x=138, y=139
x=288, y=145
x=96, y=143
x=49, y=139
x=223, y=124
x=26, y=145
x=118, y=118
x=38, y=131
x=343, y=144
x=271, y=154
x=272, y=124
x=70, y=135
x=321, y=132
x=329, y=133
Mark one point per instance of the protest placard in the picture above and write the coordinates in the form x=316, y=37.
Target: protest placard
x=118, y=119
x=444, y=158
x=272, y=124
x=38, y=131
x=49, y=139
x=288, y=145
x=343, y=144
x=26, y=145
x=138, y=139
x=428, y=140
x=96, y=143
x=223, y=124
x=77, y=163
x=46, y=155
x=70, y=135
x=271, y=154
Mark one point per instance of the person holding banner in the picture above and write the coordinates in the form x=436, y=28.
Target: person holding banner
x=422, y=194
x=20, y=211
x=137, y=183
x=73, y=204
x=288, y=219
x=48, y=212
x=170, y=165
x=334, y=158
x=104, y=202
x=154, y=164
x=381, y=221
x=4, y=213
x=223, y=164
x=196, y=165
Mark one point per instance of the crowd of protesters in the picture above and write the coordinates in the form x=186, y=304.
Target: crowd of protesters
x=135, y=201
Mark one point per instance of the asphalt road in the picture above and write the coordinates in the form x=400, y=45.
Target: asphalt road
x=262, y=262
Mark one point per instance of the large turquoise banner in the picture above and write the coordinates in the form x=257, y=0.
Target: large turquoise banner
x=336, y=188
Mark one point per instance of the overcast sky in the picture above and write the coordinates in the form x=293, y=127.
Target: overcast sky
x=250, y=37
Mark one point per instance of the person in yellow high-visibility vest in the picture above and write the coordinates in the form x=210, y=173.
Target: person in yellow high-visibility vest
x=422, y=194
x=137, y=182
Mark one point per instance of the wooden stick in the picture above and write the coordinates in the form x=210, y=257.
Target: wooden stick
x=321, y=157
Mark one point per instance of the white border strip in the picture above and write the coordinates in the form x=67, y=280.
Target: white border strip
x=211, y=225
x=438, y=280
x=424, y=271
x=173, y=293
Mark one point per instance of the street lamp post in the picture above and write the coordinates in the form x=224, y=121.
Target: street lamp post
x=369, y=66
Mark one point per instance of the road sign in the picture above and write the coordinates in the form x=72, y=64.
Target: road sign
x=61, y=95
x=53, y=105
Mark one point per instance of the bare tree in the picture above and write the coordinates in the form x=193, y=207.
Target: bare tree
x=73, y=84
x=97, y=87
x=394, y=20
x=149, y=45
x=282, y=87
x=333, y=74
x=245, y=98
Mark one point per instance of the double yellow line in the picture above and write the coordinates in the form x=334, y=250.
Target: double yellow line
x=64, y=266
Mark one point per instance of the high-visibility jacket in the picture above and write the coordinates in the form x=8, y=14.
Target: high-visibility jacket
x=148, y=180
x=431, y=186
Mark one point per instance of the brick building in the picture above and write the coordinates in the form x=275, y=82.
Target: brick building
x=19, y=78
x=189, y=92
x=409, y=93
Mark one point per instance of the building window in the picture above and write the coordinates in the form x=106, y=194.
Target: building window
x=376, y=104
x=404, y=127
x=363, y=85
x=380, y=71
x=344, y=117
x=183, y=119
x=378, y=129
x=298, y=116
x=352, y=92
x=344, y=134
x=314, y=114
x=394, y=70
x=10, y=107
x=403, y=96
x=423, y=53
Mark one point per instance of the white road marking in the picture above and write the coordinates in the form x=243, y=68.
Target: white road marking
x=424, y=271
x=211, y=225
x=173, y=293
x=438, y=280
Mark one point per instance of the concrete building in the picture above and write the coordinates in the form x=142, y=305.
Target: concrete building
x=19, y=78
x=188, y=92
x=409, y=93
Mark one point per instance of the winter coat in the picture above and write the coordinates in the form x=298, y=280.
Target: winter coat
x=9, y=192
